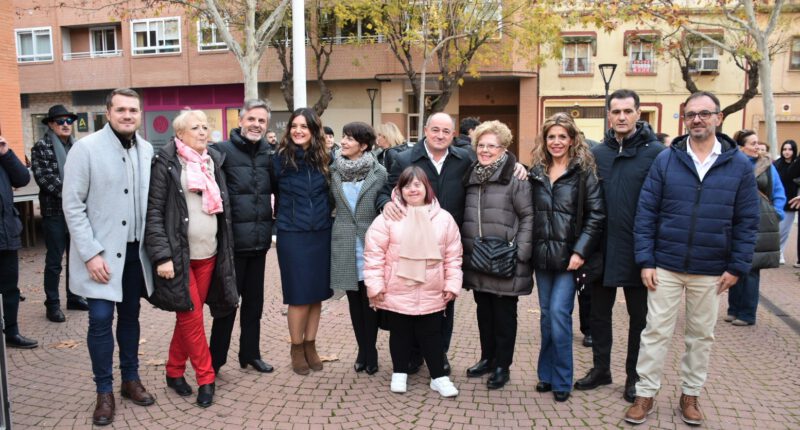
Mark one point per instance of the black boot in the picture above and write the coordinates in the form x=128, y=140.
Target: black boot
x=480, y=368
x=499, y=378
x=593, y=379
x=180, y=386
x=205, y=395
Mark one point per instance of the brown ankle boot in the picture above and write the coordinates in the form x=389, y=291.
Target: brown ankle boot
x=312, y=357
x=299, y=363
x=104, y=410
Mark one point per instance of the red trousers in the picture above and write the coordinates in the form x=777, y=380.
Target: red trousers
x=189, y=337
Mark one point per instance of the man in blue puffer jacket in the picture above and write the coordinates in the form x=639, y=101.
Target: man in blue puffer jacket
x=695, y=231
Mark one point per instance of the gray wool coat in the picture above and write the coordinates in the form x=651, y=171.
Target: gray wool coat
x=95, y=204
x=507, y=212
x=350, y=224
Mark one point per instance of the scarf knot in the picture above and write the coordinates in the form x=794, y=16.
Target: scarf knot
x=199, y=178
x=483, y=173
x=354, y=170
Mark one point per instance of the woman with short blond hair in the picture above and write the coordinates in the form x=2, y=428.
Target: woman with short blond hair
x=189, y=240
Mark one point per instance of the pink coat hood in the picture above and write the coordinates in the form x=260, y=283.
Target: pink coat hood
x=381, y=250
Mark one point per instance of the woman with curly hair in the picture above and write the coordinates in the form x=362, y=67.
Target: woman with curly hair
x=564, y=182
x=300, y=176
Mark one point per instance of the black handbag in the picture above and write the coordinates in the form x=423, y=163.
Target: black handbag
x=592, y=269
x=493, y=256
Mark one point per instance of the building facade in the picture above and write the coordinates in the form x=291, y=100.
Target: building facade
x=74, y=56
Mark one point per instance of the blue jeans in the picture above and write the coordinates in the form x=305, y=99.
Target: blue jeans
x=556, y=300
x=100, y=340
x=56, y=239
x=743, y=297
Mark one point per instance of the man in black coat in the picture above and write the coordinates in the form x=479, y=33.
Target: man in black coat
x=247, y=158
x=47, y=162
x=623, y=161
x=12, y=174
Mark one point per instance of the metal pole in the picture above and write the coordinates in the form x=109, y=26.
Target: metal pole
x=299, y=53
x=605, y=108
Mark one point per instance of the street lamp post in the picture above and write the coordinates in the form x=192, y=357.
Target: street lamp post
x=607, y=72
x=371, y=92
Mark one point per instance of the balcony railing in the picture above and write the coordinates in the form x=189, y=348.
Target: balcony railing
x=642, y=66
x=95, y=54
x=576, y=66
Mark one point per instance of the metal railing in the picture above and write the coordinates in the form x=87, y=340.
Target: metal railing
x=94, y=54
x=576, y=66
x=642, y=66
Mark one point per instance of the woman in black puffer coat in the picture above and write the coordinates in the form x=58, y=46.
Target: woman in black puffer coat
x=501, y=204
x=189, y=240
x=563, y=169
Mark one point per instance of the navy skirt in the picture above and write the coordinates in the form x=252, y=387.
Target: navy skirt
x=305, y=262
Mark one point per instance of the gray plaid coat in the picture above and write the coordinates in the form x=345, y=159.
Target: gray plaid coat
x=350, y=224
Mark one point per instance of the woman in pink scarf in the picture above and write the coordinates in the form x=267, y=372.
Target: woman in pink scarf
x=189, y=240
x=412, y=268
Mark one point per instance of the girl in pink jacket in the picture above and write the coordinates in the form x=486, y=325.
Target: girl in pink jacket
x=412, y=268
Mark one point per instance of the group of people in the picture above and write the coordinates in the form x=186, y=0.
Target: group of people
x=402, y=230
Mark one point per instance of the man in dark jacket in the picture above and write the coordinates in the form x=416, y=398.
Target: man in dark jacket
x=623, y=160
x=47, y=162
x=247, y=159
x=12, y=174
x=465, y=129
x=695, y=231
x=445, y=166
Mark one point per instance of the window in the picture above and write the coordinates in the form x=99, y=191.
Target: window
x=34, y=44
x=103, y=41
x=576, y=58
x=209, y=37
x=705, y=58
x=156, y=36
x=640, y=57
x=99, y=122
x=794, y=61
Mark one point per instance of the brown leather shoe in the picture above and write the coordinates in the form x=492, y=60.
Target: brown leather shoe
x=690, y=410
x=134, y=390
x=104, y=410
x=641, y=408
x=310, y=349
x=299, y=363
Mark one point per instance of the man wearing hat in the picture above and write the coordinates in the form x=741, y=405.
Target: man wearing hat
x=47, y=162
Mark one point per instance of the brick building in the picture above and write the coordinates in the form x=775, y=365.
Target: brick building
x=10, y=114
x=74, y=56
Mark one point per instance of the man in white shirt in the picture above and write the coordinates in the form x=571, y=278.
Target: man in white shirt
x=695, y=233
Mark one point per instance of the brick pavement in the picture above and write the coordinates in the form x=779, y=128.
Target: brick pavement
x=753, y=379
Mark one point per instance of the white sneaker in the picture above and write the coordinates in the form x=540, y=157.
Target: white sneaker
x=783, y=260
x=444, y=386
x=399, y=382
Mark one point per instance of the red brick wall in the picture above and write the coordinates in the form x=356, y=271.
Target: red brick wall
x=10, y=110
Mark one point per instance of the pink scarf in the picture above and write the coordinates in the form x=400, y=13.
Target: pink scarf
x=418, y=245
x=199, y=178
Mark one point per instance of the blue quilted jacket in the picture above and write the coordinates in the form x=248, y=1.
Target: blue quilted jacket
x=698, y=227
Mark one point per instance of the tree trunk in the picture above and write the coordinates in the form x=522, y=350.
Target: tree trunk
x=765, y=69
x=250, y=71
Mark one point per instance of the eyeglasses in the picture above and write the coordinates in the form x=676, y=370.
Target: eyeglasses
x=492, y=147
x=62, y=121
x=704, y=115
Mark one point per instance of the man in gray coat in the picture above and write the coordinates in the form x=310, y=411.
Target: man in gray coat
x=104, y=196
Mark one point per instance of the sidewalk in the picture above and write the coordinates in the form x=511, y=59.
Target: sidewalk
x=754, y=379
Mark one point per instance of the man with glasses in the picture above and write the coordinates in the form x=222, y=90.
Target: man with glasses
x=695, y=231
x=623, y=159
x=47, y=162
